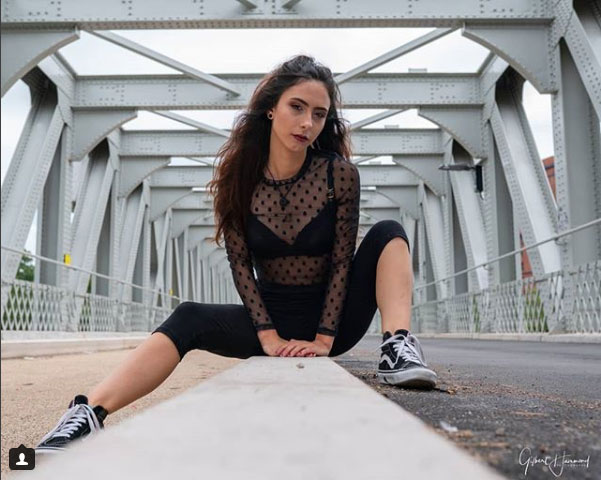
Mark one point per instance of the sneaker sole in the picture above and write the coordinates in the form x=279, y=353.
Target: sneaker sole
x=416, y=378
x=47, y=450
x=54, y=450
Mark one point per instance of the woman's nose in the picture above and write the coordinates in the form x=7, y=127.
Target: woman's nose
x=307, y=122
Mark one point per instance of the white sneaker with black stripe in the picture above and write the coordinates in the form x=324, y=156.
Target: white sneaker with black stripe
x=402, y=362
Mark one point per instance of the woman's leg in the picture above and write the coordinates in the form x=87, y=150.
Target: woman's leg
x=144, y=369
x=225, y=330
x=362, y=298
x=394, y=285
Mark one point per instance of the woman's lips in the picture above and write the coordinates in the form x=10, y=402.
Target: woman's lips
x=299, y=138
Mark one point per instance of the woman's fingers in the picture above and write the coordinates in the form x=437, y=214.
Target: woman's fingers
x=292, y=349
x=286, y=351
x=295, y=350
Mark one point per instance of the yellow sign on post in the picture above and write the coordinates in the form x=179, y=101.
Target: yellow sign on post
x=67, y=259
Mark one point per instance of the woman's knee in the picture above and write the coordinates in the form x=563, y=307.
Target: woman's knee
x=386, y=226
x=385, y=230
x=188, y=310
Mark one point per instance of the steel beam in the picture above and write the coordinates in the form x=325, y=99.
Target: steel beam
x=88, y=219
x=375, y=118
x=182, y=219
x=23, y=185
x=51, y=219
x=393, y=54
x=177, y=92
x=535, y=63
x=182, y=143
x=471, y=220
x=131, y=233
x=187, y=177
x=577, y=164
x=404, y=196
x=161, y=229
x=192, y=123
x=433, y=219
x=23, y=49
x=90, y=128
x=113, y=15
x=583, y=37
x=165, y=60
x=530, y=191
x=425, y=168
x=135, y=169
x=162, y=198
x=466, y=125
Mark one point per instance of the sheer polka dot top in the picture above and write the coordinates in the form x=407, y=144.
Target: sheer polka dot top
x=310, y=241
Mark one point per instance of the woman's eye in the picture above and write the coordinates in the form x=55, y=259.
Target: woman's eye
x=297, y=106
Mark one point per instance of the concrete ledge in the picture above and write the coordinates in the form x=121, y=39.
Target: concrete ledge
x=269, y=418
x=528, y=337
x=29, y=344
x=64, y=345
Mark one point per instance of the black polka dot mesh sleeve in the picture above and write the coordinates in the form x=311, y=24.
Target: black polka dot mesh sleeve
x=241, y=265
x=348, y=191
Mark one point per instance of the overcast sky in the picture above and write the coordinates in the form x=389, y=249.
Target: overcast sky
x=258, y=51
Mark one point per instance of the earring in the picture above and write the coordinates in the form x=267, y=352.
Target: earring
x=270, y=116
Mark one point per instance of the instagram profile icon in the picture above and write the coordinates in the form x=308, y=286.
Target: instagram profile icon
x=21, y=458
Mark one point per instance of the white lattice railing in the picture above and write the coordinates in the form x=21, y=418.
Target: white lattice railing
x=32, y=306
x=562, y=301
x=529, y=305
x=559, y=302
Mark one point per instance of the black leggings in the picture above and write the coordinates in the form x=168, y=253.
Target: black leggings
x=227, y=329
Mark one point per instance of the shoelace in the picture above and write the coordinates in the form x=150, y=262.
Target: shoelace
x=406, y=348
x=73, y=419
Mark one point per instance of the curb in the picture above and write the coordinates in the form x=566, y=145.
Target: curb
x=308, y=418
x=61, y=343
x=525, y=337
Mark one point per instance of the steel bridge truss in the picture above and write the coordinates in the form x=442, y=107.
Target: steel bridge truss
x=108, y=202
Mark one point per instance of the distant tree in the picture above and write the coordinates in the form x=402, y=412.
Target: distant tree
x=26, y=268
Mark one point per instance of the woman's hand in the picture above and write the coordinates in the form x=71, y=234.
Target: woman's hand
x=271, y=342
x=302, y=348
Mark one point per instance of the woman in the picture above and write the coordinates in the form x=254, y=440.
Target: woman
x=286, y=200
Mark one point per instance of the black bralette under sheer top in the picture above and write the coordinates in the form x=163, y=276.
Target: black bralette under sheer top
x=312, y=241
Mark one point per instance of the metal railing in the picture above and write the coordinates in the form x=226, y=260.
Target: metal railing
x=565, y=301
x=28, y=305
x=562, y=301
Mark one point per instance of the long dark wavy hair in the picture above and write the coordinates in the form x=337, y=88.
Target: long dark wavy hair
x=241, y=160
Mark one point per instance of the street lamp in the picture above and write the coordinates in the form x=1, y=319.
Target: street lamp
x=465, y=166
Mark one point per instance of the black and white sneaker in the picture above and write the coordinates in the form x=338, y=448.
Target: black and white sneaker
x=78, y=422
x=402, y=362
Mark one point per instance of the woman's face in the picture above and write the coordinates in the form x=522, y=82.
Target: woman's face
x=301, y=110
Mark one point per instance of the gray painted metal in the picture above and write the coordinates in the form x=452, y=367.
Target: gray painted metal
x=314, y=14
x=530, y=192
x=23, y=49
x=27, y=173
x=183, y=143
x=169, y=62
x=178, y=92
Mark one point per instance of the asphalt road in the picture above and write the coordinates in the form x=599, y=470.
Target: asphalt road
x=514, y=404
